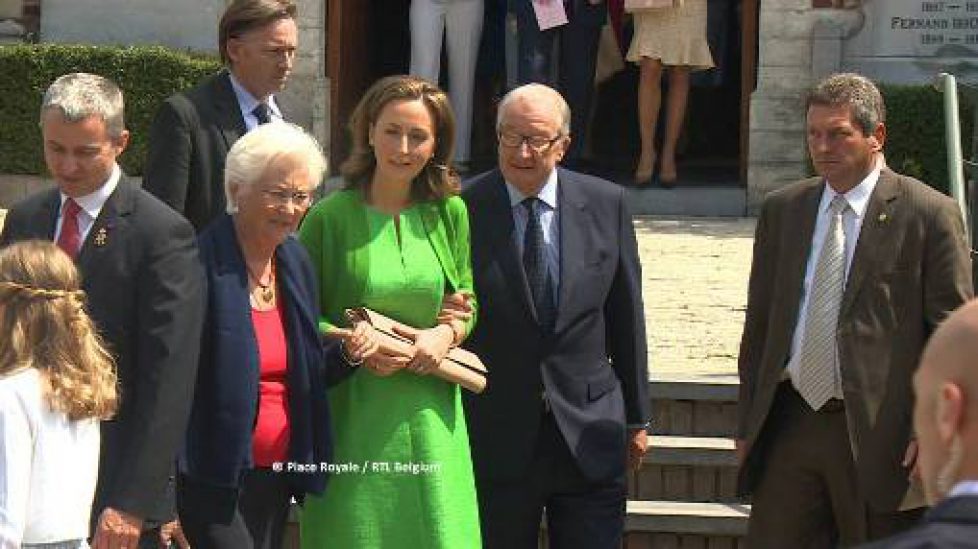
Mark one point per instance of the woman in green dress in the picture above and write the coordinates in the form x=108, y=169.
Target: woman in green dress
x=396, y=239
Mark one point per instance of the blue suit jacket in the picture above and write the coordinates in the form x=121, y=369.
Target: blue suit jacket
x=593, y=367
x=218, y=445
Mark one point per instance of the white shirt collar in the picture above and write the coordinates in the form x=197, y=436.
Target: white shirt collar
x=547, y=193
x=964, y=488
x=858, y=196
x=92, y=202
x=247, y=102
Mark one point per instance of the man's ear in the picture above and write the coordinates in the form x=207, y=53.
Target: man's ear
x=950, y=411
x=564, y=145
x=878, y=137
x=233, y=48
x=121, y=142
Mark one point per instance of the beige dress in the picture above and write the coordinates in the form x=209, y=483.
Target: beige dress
x=677, y=36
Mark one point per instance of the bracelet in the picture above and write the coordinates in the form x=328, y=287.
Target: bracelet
x=457, y=336
x=348, y=359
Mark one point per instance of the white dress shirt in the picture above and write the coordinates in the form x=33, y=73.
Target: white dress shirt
x=90, y=204
x=852, y=222
x=549, y=222
x=48, y=467
x=247, y=103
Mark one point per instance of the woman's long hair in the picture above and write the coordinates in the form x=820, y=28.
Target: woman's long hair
x=44, y=326
x=437, y=179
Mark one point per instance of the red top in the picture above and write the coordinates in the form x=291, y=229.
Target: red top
x=270, y=441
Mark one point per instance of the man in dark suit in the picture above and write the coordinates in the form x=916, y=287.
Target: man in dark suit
x=578, y=58
x=852, y=271
x=144, y=284
x=194, y=129
x=946, y=425
x=561, y=328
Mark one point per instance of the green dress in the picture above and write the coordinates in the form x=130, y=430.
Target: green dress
x=405, y=433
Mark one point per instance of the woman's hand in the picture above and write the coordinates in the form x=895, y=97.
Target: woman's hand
x=383, y=365
x=359, y=343
x=455, y=307
x=430, y=347
x=456, y=312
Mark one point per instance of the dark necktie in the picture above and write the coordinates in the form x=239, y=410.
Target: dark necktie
x=535, y=265
x=263, y=113
x=69, y=239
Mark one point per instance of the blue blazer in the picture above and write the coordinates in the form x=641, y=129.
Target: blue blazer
x=592, y=368
x=218, y=445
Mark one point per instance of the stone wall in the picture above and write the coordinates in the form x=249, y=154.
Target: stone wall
x=797, y=46
x=15, y=187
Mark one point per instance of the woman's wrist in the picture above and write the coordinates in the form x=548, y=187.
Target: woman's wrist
x=457, y=330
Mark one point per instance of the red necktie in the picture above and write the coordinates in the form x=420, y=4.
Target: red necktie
x=70, y=239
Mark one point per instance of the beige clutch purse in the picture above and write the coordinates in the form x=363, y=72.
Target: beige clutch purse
x=459, y=366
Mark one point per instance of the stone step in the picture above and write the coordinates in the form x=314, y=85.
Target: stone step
x=694, y=407
x=681, y=450
x=668, y=524
x=693, y=469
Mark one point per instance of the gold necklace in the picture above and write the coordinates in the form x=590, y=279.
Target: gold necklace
x=267, y=292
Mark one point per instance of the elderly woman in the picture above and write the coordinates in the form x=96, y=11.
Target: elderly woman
x=260, y=412
x=396, y=240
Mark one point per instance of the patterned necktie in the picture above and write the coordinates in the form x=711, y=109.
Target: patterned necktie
x=263, y=113
x=535, y=265
x=818, y=373
x=69, y=239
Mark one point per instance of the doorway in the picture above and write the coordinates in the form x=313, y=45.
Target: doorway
x=369, y=39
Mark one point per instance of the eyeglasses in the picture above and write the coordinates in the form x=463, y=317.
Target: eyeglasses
x=283, y=198
x=536, y=143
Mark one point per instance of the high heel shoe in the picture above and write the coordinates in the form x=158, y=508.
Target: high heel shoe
x=643, y=173
x=668, y=179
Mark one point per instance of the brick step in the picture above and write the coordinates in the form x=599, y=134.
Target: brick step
x=692, y=469
x=694, y=408
x=668, y=524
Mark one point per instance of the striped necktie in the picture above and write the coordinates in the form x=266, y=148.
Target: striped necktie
x=818, y=366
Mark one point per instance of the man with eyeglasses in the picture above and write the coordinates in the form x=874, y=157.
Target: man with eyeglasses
x=561, y=328
x=194, y=129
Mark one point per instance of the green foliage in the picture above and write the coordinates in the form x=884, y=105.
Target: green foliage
x=146, y=74
x=915, y=142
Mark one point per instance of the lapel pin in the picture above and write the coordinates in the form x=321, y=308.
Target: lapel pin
x=101, y=237
x=883, y=218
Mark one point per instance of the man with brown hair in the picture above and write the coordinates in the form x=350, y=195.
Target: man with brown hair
x=852, y=272
x=194, y=129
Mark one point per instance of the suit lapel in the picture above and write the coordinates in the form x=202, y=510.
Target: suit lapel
x=798, y=227
x=228, y=112
x=46, y=220
x=574, y=218
x=103, y=238
x=499, y=213
x=873, y=237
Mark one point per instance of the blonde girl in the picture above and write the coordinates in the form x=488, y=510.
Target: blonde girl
x=56, y=382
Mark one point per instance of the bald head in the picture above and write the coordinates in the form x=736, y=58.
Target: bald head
x=537, y=94
x=946, y=408
x=952, y=352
